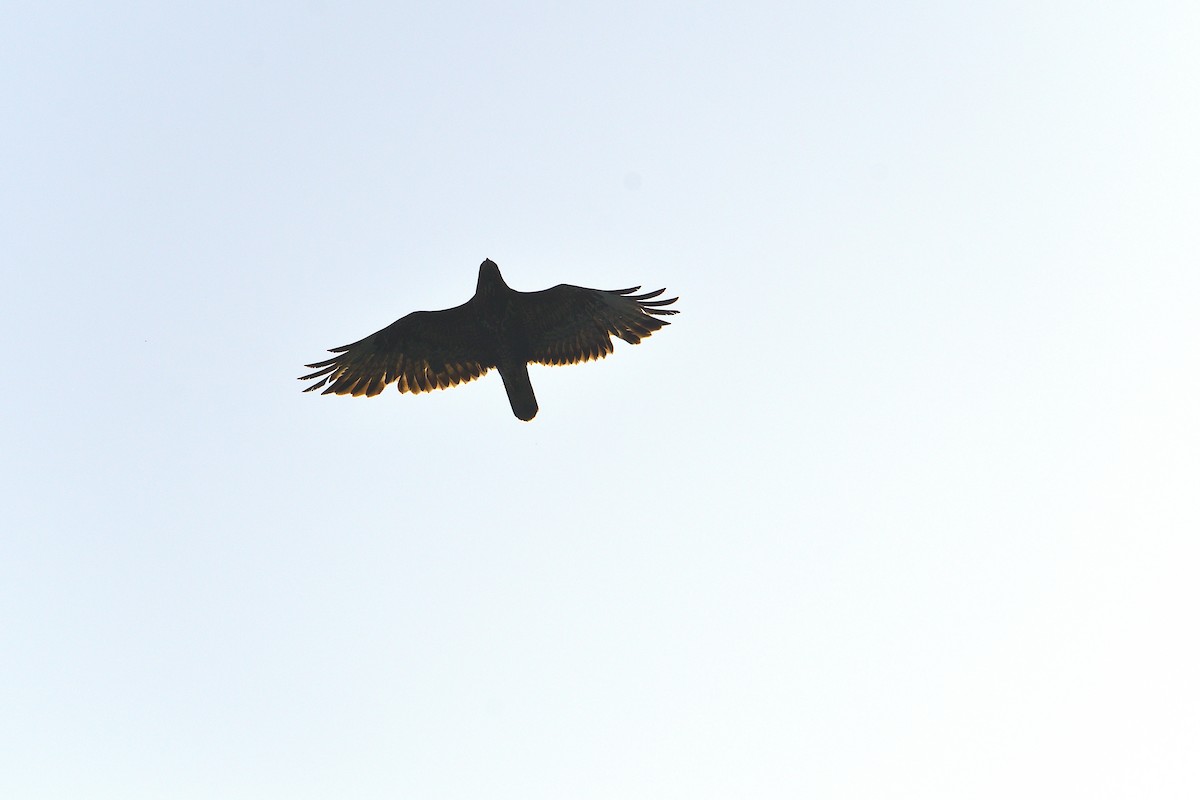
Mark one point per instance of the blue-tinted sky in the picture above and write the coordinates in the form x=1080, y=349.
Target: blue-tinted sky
x=904, y=504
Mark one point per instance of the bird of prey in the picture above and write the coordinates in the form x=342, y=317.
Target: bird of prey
x=499, y=327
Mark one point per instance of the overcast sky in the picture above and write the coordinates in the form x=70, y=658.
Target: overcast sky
x=904, y=503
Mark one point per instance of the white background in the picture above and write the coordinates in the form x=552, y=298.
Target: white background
x=903, y=504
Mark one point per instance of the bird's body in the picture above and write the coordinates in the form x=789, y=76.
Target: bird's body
x=498, y=328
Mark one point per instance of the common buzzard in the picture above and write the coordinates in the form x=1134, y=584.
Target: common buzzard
x=498, y=327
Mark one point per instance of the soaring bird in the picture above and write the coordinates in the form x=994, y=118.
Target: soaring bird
x=499, y=327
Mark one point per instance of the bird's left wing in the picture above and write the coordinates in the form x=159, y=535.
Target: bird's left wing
x=420, y=352
x=568, y=324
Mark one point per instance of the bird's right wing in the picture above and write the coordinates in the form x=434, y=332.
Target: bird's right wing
x=420, y=352
x=568, y=324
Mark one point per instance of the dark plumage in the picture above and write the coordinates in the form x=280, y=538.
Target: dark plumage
x=498, y=327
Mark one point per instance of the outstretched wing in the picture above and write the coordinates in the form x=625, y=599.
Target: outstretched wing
x=568, y=324
x=423, y=351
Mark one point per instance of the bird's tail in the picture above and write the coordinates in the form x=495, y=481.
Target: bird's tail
x=520, y=390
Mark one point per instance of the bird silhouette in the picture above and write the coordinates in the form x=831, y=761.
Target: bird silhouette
x=498, y=328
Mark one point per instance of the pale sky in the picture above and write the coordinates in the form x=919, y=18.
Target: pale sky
x=904, y=503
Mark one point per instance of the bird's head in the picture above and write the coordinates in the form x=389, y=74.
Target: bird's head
x=489, y=275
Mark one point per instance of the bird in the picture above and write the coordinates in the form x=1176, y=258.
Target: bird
x=498, y=328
